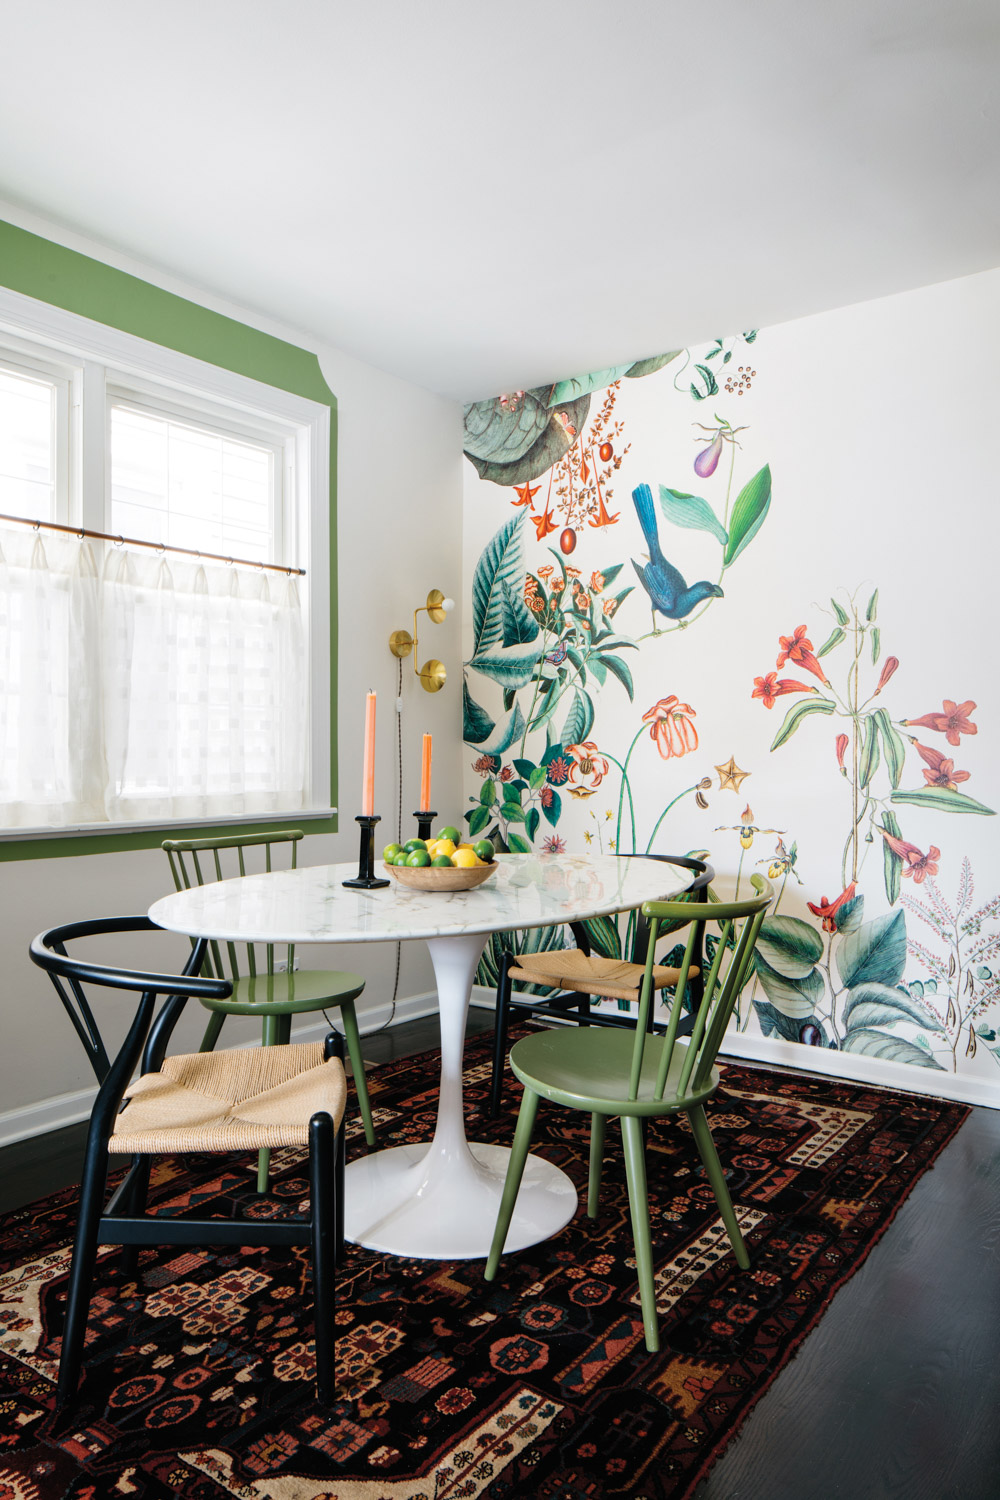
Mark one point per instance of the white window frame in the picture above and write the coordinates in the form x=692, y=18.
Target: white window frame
x=96, y=360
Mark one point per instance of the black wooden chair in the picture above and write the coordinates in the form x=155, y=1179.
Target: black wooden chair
x=243, y=1100
x=574, y=976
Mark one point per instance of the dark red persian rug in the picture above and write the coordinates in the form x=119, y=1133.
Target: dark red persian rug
x=198, y=1376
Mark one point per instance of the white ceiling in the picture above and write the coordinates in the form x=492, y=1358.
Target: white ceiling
x=482, y=197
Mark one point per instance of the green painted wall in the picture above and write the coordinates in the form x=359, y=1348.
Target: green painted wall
x=39, y=268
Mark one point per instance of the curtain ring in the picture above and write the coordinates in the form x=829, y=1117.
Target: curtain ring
x=36, y=525
x=161, y=547
x=119, y=541
x=81, y=535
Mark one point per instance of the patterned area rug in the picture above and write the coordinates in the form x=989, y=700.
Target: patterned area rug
x=198, y=1378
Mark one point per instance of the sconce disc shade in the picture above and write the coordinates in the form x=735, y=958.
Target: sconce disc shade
x=432, y=675
x=401, y=643
x=435, y=606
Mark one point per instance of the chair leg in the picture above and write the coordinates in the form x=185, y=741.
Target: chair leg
x=500, y=1015
x=717, y=1177
x=353, y=1038
x=638, y=1202
x=333, y=1046
x=81, y=1276
x=598, y=1127
x=135, y=1205
x=512, y=1182
x=323, y=1221
x=215, y=1020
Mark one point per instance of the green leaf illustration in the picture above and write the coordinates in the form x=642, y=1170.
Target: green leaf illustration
x=517, y=845
x=872, y=610
x=518, y=624
x=888, y=1048
x=840, y=612
x=508, y=734
x=868, y=761
x=848, y=918
x=598, y=670
x=579, y=720
x=555, y=440
x=876, y=643
x=650, y=366
x=583, y=385
x=709, y=385
x=477, y=725
x=621, y=671
x=551, y=812
x=604, y=936
x=892, y=863
x=832, y=640
x=512, y=813
x=531, y=822
x=504, y=433
x=943, y=799
x=790, y=946
x=875, y=954
x=488, y=792
x=513, y=668
x=773, y=1023
x=536, y=776
x=883, y=1005
x=892, y=744
x=751, y=507
x=692, y=512
x=500, y=564
x=796, y=998
x=795, y=715
x=478, y=820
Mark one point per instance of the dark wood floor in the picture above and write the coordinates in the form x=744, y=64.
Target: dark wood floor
x=895, y=1396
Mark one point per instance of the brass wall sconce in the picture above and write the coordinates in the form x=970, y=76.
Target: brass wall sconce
x=433, y=673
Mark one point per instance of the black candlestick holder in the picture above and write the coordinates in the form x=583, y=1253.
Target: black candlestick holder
x=425, y=822
x=367, y=879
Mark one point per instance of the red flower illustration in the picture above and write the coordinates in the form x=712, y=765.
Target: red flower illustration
x=545, y=572
x=771, y=687
x=889, y=666
x=942, y=772
x=554, y=844
x=914, y=863
x=589, y=767
x=558, y=770
x=842, y=743
x=953, y=722
x=486, y=764
x=671, y=727
x=525, y=493
x=507, y=774
x=544, y=524
x=545, y=796
x=798, y=648
x=827, y=910
x=596, y=582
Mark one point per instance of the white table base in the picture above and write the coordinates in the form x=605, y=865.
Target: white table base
x=440, y=1201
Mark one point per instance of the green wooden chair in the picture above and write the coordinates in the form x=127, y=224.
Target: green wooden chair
x=638, y=1076
x=267, y=989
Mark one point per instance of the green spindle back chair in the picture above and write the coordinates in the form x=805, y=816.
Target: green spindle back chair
x=267, y=986
x=639, y=1075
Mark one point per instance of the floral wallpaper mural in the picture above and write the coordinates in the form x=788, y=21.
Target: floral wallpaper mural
x=701, y=622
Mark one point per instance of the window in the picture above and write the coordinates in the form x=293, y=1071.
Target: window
x=148, y=684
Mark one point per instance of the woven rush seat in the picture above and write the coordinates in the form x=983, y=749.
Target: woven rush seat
x=248, y=1099
x=590, y=974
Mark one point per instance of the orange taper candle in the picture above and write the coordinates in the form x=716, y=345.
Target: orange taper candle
x=425, y=776
x=368, y=772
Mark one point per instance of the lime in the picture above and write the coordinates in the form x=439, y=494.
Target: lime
x=412, y=844
x=402, y=858
x=449, y=833
x=390, y=851
x=442, y=862
x=418, y=859
x=485, y=850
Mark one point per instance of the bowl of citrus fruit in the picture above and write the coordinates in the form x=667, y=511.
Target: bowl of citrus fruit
x=441, y=863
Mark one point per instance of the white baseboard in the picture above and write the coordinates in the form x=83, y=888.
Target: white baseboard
x=847, y=1065
x=69, y=1109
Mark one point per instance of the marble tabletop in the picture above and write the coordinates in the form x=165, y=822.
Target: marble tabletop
x=312, y=905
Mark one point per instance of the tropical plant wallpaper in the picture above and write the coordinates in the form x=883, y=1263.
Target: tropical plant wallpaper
x=734, y=599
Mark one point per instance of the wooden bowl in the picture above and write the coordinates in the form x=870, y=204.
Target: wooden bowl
x=427, y=878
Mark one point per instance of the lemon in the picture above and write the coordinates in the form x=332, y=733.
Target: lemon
x=465, y=858
x=444, y=846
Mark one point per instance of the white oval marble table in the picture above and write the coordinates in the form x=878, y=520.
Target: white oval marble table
x=438, y=1201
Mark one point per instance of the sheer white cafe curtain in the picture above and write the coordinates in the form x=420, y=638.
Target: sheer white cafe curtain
x=137, y=686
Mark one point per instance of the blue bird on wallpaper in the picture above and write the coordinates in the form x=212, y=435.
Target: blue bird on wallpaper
x=667, y=590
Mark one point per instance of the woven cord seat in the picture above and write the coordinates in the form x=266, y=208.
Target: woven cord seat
x=246, y=1100
x=250, y=1099
x=590, y=974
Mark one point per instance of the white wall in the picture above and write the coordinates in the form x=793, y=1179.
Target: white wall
x=399, y=534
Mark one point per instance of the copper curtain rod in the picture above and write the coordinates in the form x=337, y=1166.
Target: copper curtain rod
x=134, y=541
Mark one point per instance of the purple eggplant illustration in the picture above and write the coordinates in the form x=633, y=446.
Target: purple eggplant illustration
x=707, y=461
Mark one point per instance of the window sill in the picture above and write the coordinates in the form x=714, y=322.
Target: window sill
x=100, y=838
